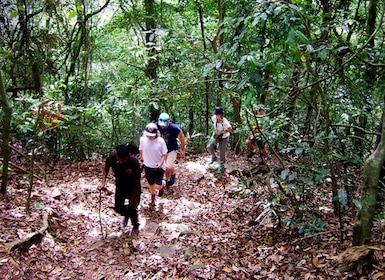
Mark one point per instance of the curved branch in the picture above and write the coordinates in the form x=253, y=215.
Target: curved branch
x=97, y=11
x=358, y=128
x=355, y=54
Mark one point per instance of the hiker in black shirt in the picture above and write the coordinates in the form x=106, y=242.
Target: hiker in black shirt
x=127, y=180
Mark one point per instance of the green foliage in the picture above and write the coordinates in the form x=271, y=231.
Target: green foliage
x=316, y=225
x=280, y=53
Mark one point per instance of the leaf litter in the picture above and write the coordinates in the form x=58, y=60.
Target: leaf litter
x=200, y=229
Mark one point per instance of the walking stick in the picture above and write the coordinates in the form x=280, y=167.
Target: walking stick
x=100, y=215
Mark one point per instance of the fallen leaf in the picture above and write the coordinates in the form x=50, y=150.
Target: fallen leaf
x=227, y=269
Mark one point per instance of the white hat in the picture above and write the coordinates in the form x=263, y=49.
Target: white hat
x=151, y=130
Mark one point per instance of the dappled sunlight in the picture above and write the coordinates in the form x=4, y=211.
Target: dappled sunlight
x=197, y=226
x=194, y=166
x=78, y=209
x=181, y=208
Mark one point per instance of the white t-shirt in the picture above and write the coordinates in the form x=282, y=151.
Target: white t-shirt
x=152, y=151
x=220, y=127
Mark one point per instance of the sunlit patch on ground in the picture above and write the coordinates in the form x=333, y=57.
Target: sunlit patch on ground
x=196, y=231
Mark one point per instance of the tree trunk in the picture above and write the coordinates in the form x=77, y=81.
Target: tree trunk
x=207, y=84
x=371, y=175
x=6, y=151
x=152, y=60
x=373, y=164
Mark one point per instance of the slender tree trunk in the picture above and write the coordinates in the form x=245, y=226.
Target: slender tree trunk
x=294, y=92
x=79, y=44
x=369, y=194
x=6, y=151
x=374, y=163
x=207, y=84
x=152, y=57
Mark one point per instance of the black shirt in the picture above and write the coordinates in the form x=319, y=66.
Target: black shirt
x=126, y=173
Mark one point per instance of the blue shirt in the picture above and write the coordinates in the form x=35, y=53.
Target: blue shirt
x=170, y=135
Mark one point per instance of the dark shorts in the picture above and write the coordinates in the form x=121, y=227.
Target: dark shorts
x=154, y=175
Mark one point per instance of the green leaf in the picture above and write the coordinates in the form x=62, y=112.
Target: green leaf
x=284, y=173
x=302, y=37
x=290, y=37
x=342, y=197
x=13, y=14
x=72, y=14
x=292, y=176
x=358, y=204
x=323, y=54
x=249, y=98
x=271, y=180
x=321, y=175
x=242, y=61
x=298, y=151
x=307, y=181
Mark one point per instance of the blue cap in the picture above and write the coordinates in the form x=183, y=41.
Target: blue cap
x=219, y=111
x=163, y=119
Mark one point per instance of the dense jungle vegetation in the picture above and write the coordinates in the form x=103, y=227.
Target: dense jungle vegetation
x=79, y=77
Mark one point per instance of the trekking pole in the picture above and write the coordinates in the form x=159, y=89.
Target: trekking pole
x=100, y=215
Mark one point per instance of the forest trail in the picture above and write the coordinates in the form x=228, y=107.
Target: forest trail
x=199, y=230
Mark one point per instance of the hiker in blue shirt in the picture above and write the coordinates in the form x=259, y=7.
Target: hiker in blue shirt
x=170, y=132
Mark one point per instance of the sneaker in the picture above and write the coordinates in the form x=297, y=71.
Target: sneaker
x=135, y=232
x=251, y=154
x=214, y=159
x=171, y=181
x=124, y=222
x=221, y=166
x=161, y=192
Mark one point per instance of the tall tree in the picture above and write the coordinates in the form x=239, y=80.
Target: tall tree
x=207, y=84
x=152, y=57
x=5, y=149
x=374, y=163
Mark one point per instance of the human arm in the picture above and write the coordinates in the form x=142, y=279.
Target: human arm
x=229, y=129
x=134, y=197
x=136, y=175
x=162, y=161
x=182, y=144
x=105, y=172
x=163, y=151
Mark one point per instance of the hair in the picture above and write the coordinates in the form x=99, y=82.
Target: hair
x=122, y=150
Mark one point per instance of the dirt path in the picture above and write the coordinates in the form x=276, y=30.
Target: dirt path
x=199, y=230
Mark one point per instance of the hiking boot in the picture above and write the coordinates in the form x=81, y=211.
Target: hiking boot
x=161, y=192
x=214, y=159
x=135, y=232
x=171, y=181
x=251, y=154
x=221, y=166
x=124, y=222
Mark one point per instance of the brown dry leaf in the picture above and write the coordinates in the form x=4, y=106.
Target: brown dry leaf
x=218, y=233
x=227, y=269
x=379, y=275
x=353, y=254
x=315, y=261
